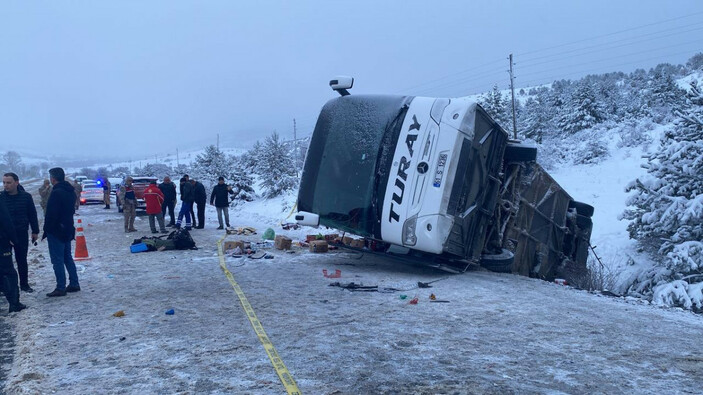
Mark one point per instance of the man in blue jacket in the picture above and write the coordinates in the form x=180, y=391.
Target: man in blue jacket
x=8, y=275
x=59, y=230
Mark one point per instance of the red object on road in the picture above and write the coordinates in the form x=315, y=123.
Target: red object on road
x=413, y=300
x=337, y=273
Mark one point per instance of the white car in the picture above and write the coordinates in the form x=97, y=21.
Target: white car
x=92, y=192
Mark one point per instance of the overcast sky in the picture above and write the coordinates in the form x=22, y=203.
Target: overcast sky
x=138, y=78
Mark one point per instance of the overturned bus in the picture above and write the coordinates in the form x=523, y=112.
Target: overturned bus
x=437, y=181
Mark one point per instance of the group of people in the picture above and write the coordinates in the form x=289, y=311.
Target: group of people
x=19, y=223
x=193, y=193
x=161, y=199
x=18, y=215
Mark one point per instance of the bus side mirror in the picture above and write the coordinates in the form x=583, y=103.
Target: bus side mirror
x=307, y=219
x=341, y=84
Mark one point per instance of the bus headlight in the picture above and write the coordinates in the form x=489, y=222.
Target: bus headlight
x=409, y=226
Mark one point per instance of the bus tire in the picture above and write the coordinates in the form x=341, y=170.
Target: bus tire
x=520, y=153
x=500, y=263
x=584, y=222
x=582, y=208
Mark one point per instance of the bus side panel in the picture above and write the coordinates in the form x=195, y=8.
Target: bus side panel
x=540, y=225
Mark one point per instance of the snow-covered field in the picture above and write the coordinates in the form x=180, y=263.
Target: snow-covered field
x=603, y=187
x=498, y=333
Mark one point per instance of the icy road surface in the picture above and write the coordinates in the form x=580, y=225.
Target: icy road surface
x=499, y=333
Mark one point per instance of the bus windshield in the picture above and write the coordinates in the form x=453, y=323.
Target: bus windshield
x=347, y=161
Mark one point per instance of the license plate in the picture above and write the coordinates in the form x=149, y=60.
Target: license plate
x=440, y=170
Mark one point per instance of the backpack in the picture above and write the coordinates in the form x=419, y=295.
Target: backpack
x=182, y=239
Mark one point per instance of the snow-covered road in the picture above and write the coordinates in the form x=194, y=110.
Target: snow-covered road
x=499, y=333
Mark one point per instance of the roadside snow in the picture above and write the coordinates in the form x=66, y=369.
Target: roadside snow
x=498, y=333
x=602, y=186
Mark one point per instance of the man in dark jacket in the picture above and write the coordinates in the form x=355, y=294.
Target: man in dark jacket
x=24, y=214
x=220, y=198
x=59, y=229
x=168, y=188
x=201, y=201
x=187, y=199
x=8, y=275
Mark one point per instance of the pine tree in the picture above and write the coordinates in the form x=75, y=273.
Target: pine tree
x=276, y=167
x=668, y=204
x=497, y=107
x=241, y=182
x=210, y=165
x=535, y=119
x=665, y=94
x=249, y=159
x=583, y=110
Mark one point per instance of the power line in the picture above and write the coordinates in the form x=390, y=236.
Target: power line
x=610, y=34
x=452, y=75
x=537, y=82
x=602, y=48
x=460, y=81
x=622, y=56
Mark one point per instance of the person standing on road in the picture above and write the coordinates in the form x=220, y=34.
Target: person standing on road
x=44, y=192
x=8, y=275
x=129, y=204
x=201, y=201
x=168, y=188
x=220, y=199
x=59, y=230
x=154, y=198
x=107, y=187
x=78, y=188
x=24, y=215
x=187, y=199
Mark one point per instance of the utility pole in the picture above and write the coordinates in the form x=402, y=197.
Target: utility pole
x=218, y=141
x=295, y=145
x=512, y=92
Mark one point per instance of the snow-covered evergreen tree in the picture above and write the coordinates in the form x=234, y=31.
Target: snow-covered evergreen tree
x=276, y=167
x=665, y=94
x=210, y=165
x=497, y=106
x=154, y=170
x=668, y=204
x=696, y=62
x=535, y=119
x=583, y=110
x=249, y=159
x=241, y=182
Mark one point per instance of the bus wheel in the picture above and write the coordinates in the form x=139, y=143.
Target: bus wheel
x=582, y=208
x=520, y=153
x=501, y=263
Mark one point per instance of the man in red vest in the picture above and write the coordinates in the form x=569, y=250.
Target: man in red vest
x=154, y=198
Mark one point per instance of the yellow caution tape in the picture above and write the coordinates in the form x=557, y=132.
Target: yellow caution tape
x=291, y=212
x=276, y=361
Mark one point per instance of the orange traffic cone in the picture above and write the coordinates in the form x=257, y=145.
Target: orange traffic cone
x=81, y=247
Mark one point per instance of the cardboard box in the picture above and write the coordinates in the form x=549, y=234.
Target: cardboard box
x=318, y=246
x=310, y=238
x=282, y=242
x=230, y=245
x=346, y=240
x=331, y=237
x=357, y=243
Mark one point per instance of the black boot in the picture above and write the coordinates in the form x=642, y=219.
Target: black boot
x=56, y=292
x=17, y=307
